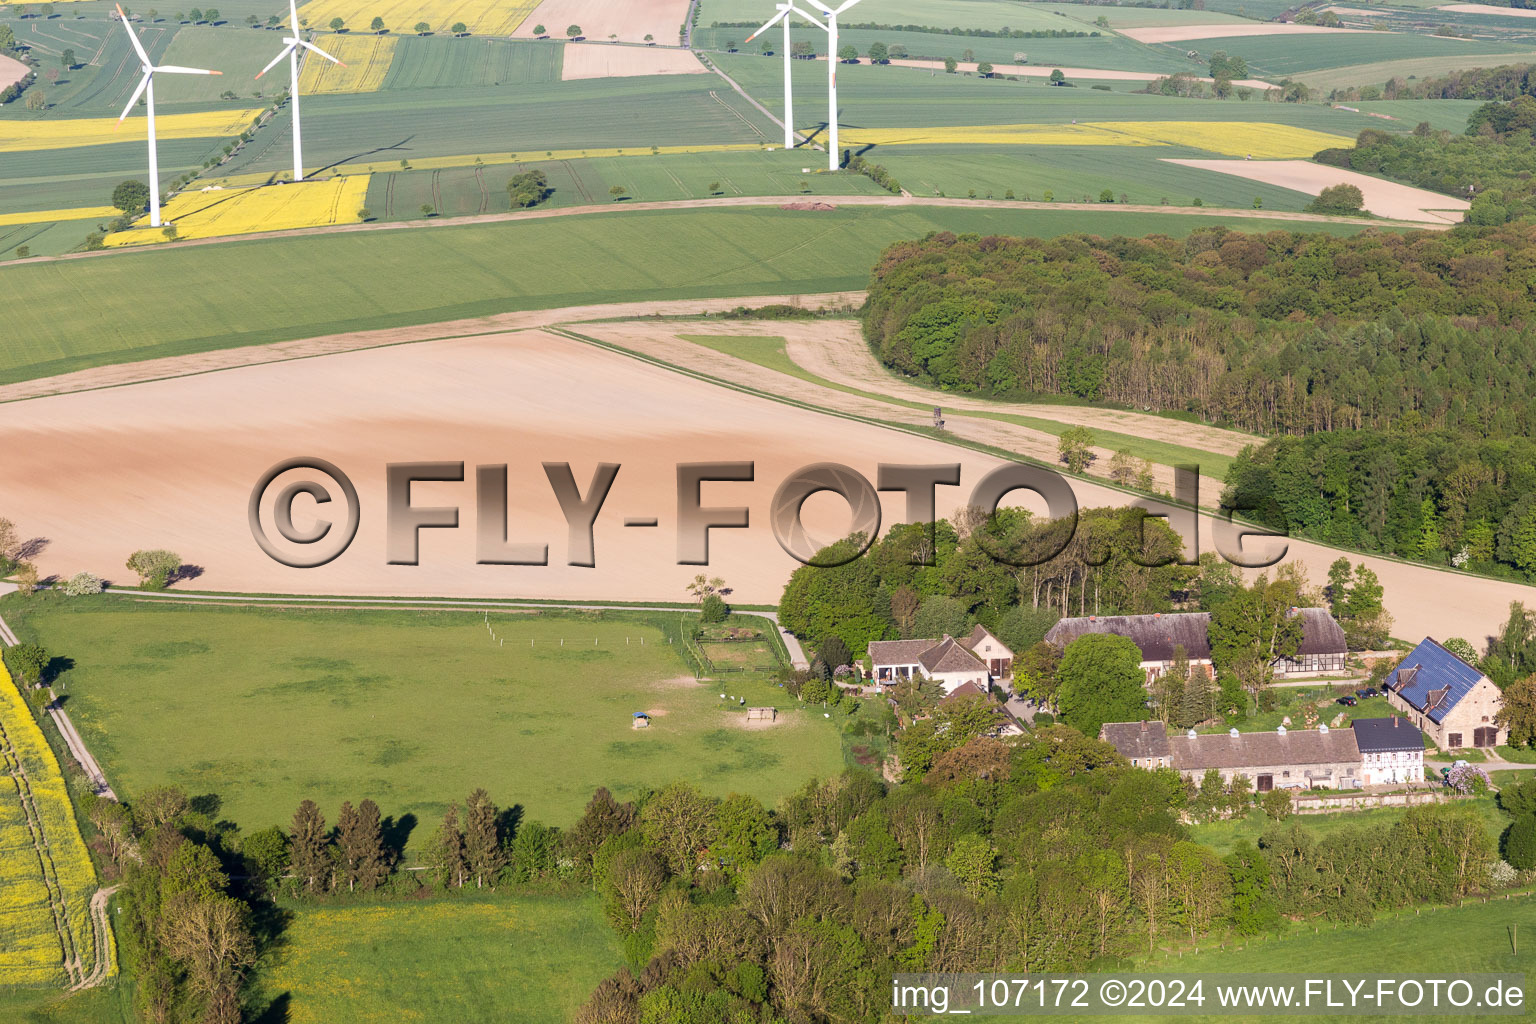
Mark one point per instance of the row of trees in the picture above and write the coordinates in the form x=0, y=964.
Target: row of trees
x=1442, y=498
x=1276, y=333
x=188, y=933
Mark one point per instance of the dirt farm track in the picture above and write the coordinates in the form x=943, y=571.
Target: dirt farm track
x=172, y=461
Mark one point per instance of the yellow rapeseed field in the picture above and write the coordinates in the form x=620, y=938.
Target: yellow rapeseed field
x=483, y=17
x=1229, y=138
x=1262, y=141
x=66, y=133
x=242, y=211
x=45, y=872
x=993, y=135
x=44, y=216
x=366, y=58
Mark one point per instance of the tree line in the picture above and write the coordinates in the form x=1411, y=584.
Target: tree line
x=1491, y=164
x=1442, y=498
x=1282, y=332
x=1504, y=82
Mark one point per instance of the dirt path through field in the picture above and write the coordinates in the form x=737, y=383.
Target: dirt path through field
x=1182, y=33
x=836, y=350
x=661, y=341
x=1383, y=198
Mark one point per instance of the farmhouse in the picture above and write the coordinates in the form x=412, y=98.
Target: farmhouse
x=1322, y=647
x=979, y=658
x=1451, y=701
x=1145, y=744
x=1391, y=750
x=1283, y=759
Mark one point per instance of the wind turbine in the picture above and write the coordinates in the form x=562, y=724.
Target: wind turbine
x=785, y=10
x=291, y=51
x=830, y=28
x=147, y=90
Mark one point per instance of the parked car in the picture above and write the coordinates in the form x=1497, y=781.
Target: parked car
x=1348, y=701
x=1365, y=694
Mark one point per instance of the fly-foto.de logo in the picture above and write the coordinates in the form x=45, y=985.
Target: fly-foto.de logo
x=321, y=540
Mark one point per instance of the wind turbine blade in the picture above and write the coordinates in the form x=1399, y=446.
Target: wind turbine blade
x=178, y=70
x=133, y=36
x=312, y=46
x=769, y=24
x=293, y=14
x=143, y=84
x=846, y=4
x=286, y=51
x=812, y=19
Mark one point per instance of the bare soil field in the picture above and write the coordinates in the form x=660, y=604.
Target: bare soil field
x=1383, y=198
x=596, y=60
x=1510, y=12
x=628, y=20
x=1044, y=71
x=1179, y=33
x=11, y=71
x=172, y=462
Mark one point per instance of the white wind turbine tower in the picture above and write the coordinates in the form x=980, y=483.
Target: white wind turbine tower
x=147, y=90
x=831, y=13
x=785, y=10
x=291, y=51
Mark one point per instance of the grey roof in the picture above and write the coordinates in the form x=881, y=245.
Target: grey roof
x=1380, y=735
x=1264, y=749
x=1320, y=633
x=1137, y=739
x=950, y=656
x=1433, y=680
x=1158, y=634
x=897, y=652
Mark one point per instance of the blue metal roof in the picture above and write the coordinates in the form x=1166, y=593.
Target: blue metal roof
x=1428, y=669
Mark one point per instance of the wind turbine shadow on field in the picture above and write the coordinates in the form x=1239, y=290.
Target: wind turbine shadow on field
x=397, y=147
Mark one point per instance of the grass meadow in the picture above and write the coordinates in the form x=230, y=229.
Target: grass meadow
x=266, y=708
x=364, y=280
x=436, y=62
x=525, y=958
x=111, y=1003
x=1279, y=56
x=1438, y=942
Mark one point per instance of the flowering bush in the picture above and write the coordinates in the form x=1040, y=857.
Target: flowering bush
x=1467, y=779
x=83, y=583
x=842, y=672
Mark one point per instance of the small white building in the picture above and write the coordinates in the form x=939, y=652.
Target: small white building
x=1391, y=750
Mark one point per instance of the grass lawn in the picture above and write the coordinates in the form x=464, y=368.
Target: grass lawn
x=530, y=959
x=414, y=709
x=1221, y=836
x=355, y=281
x=1520, y=755
x=1437, y=942
x=110, y=1004
x=770, y=352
